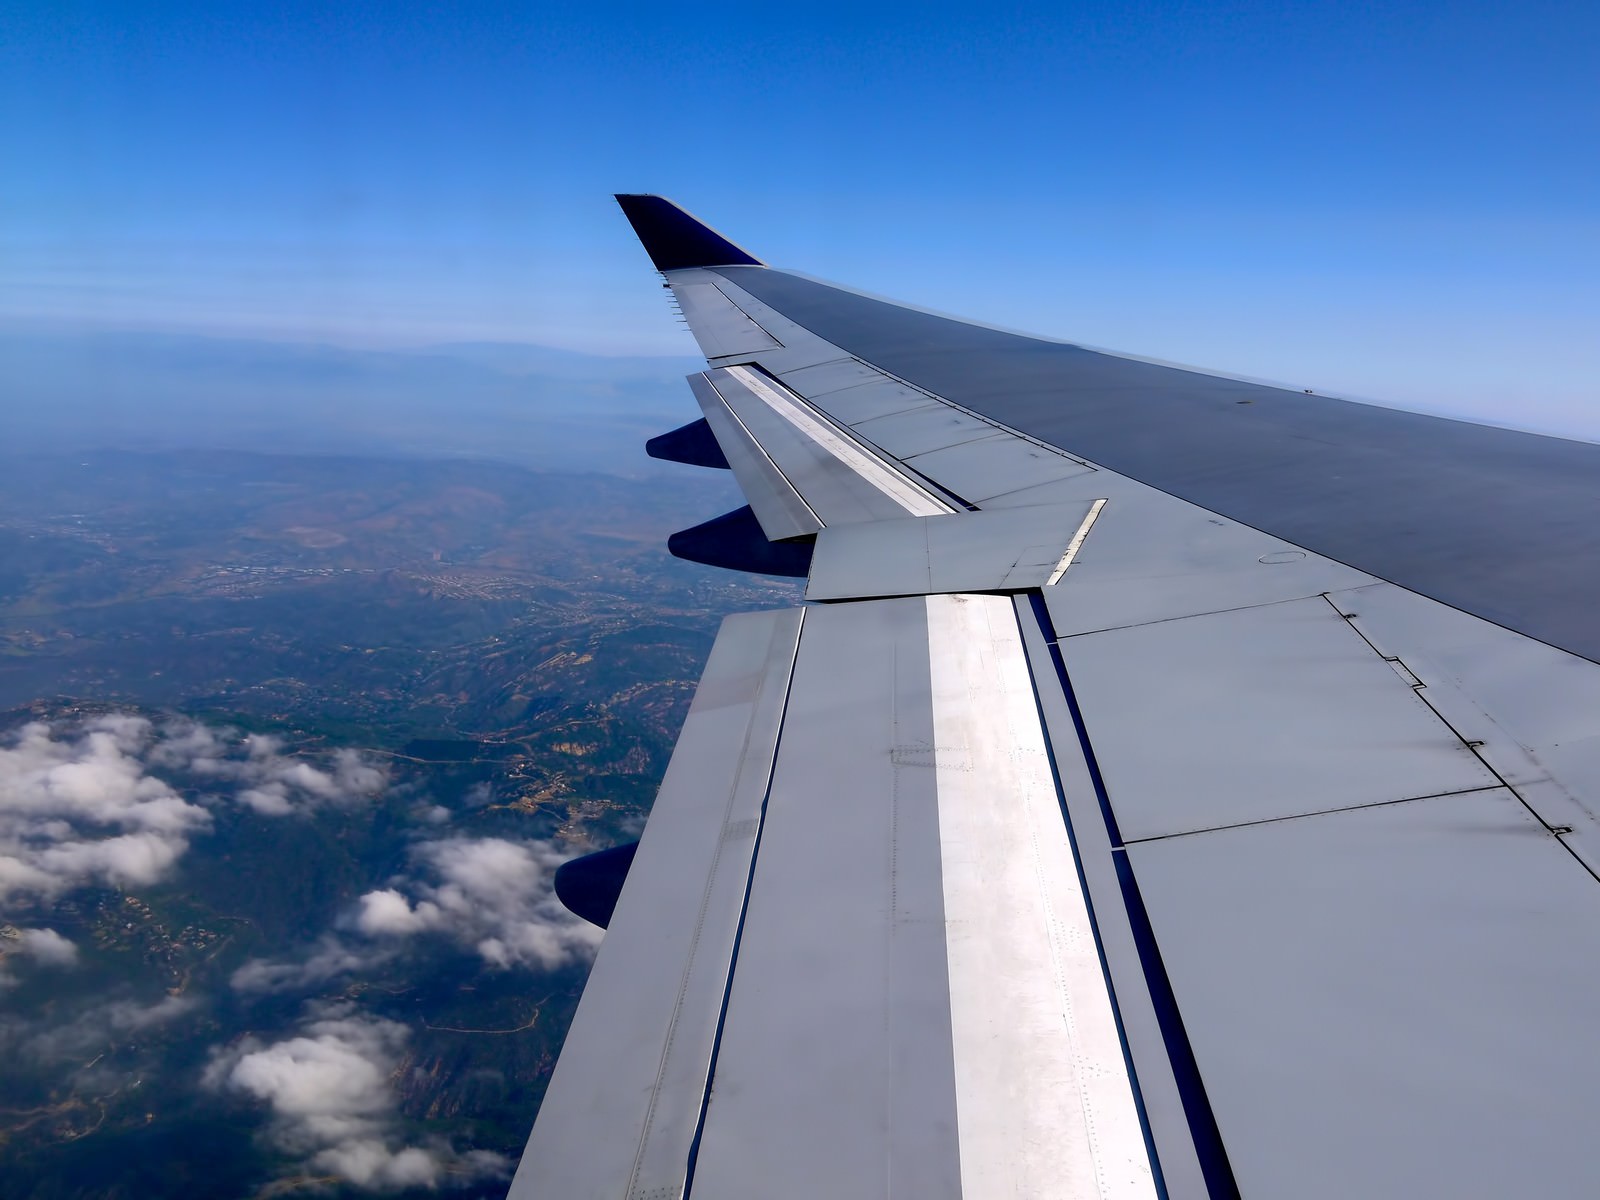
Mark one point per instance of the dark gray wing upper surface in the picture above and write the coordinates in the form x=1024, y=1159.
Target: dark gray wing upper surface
x=1500, y=523
x=1176, y=786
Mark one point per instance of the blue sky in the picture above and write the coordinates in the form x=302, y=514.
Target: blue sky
x=1394, y=200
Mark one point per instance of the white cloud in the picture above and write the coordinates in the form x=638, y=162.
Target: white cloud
x=82, y=809
x=93, y=1030
x=490, y=895
x=332, y=1105
x=330, y=958
x=131, y=1017
x=270, y=799
x=270, y=782
x=45, y=946
x=493, y=895
x=48, y=947
x=389, y=912
x=99, y=802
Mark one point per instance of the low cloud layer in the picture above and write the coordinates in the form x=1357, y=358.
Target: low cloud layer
x=331, y=957
x=492, y=895
x=41, y=947
x=100, y=802
x=268, y=781
x=90, y=1031
x=82, y=809
x=333, y=1107
x=47, y=947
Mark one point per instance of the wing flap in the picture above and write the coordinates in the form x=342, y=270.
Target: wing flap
x=994, y=466
x=798, y=470
x=1256, y=714
x=782, y=511
x=721, y=327
x=853, y=957
x=1347, y=903
x=1388, y=1000
x=965, y=455
x=917, y=989
x=1004, y=550
x=840, y=481
x=622, y=1108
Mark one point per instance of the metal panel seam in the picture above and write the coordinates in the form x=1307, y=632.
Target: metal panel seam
x=1001, y=426
x=700, y=916
x=846, y=354
x=1203, y=1126
x=1420, y=688
x=754, y=441
x=1321, y=812
x=933, y=485
x=724, y=290
x=1040, y=1011
x=1030, y=599
x=738, y=935
x=1209, y=612
x=887, y=474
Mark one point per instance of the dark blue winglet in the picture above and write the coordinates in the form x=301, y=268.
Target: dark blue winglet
x=674, y=240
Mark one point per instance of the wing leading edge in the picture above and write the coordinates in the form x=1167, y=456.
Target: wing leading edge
x=1092, y=834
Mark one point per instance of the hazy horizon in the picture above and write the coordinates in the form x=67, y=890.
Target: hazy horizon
x=71, y=389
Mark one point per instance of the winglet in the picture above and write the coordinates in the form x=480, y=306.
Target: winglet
x=675, y=240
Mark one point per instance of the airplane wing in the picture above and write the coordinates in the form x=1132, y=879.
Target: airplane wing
x=1175, y=786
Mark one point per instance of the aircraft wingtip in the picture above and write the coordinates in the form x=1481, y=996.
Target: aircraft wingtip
x=674, y=240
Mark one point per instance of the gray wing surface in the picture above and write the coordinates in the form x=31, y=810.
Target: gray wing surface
x=1173, y=786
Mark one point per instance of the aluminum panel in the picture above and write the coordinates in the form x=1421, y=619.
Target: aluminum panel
x=1389, y=1002
x=819, y=380
x=635, y=1060
x=881, y=399
x=1024, y=546
x=1044, y=1103
x=1152, y=558
x=1544, y=699
x=1007, y=550
x=1161, y=1099
x=1534, y=708
x=884, y=558
x=782, y=511
x=903, y=435
x=1254, y=715
x=796, y=432
x=1049, y=493
x=718, y=324
x=833, y=487
x=993, y=466
x=834, y=1076
x=801, y=347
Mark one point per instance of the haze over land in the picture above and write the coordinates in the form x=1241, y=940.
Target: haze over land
x=73, y=388
x=315, y=661
x=290, y=745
